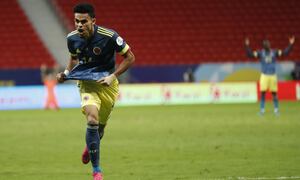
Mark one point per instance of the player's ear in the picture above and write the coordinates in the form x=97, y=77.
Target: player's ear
x=93, y=20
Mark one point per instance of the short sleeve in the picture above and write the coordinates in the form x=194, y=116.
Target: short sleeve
x=71, y=47
x=120, y=45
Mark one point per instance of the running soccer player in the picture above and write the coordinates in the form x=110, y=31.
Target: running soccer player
x=268, y=78
x=92, y=50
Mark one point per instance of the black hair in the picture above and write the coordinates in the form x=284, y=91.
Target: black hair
x=84, y=8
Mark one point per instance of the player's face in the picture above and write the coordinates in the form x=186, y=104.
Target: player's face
x=84, y=24
x=266, y=45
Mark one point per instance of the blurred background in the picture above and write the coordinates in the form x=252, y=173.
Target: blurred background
x=194, y=41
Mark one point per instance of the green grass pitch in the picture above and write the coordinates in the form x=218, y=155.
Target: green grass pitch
x=188, y=142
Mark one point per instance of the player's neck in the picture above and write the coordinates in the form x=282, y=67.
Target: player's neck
x=90, y=34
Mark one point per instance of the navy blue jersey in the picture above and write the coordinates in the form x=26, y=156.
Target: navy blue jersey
x=97, y=56
x=268, y=58
x=268, y=61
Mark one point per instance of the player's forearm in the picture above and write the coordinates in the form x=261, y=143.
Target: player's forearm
x=125, y=64
x=249, y=52
x=72, y=63
x=287, y=50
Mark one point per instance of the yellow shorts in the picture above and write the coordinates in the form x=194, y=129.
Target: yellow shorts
x=103, y=97
x=268, y=82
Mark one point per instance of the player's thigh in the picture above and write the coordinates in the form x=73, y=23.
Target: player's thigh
x=90, y=105
x=263, y=82
x=91, y=113
x=273, y=83
x=89, y=96
x=108, y=97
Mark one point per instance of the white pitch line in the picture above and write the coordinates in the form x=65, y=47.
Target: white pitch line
x=267, y=178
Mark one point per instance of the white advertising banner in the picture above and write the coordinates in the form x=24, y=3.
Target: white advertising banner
x=298, y=91
x=34, y=97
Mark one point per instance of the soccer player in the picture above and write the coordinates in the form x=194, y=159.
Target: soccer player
x=268, y=78
x=92, y=50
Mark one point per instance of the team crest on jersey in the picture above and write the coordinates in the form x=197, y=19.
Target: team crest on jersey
x=97, y=50
x=85, y=98
x=119, y=41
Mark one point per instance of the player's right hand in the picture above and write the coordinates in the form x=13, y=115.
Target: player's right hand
x=60, y=77
x=247, y=42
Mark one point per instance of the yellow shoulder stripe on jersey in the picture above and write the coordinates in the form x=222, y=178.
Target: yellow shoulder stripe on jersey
x=104, y=33
x=124, y=50
x=105, y=30
x=73, y=55
x=72, y=33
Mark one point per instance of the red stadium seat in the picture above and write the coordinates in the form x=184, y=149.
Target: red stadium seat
x=20, y=45
x=192, y=32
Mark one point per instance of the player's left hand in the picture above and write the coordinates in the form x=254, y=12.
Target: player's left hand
x=106, y=81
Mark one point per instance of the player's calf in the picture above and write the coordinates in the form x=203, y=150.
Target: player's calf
x=85, y=157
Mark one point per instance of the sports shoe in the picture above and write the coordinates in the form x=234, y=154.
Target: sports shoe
x=85, y=157
x=276, y=112
x=97, y=176
x=262, y=112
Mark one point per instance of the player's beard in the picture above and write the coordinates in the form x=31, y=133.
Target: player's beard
x=86, y=33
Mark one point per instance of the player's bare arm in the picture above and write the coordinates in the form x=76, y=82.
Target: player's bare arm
x=61, y=76
x=287, y=50
x=249, y=52
x=125, y=64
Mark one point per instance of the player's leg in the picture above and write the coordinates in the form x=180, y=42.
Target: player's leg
x=262, y=101
x=275, y=102
x=85, y=157
x=101, y=130
x=90, y=104
x=273, y=89
x=263, y=83
x=108, y=98
x=92, y=135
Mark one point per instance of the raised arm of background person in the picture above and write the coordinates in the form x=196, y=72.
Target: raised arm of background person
x=125, y=64
x=249, y=52
x=288, y=49
x=72, y=62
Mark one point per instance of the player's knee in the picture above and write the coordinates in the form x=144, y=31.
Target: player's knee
x=274, y=94
x=92, y=119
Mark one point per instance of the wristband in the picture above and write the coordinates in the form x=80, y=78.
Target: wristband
x=66, y=72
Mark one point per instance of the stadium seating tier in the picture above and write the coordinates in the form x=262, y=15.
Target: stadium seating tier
x=195, y=31
x=20, y=45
